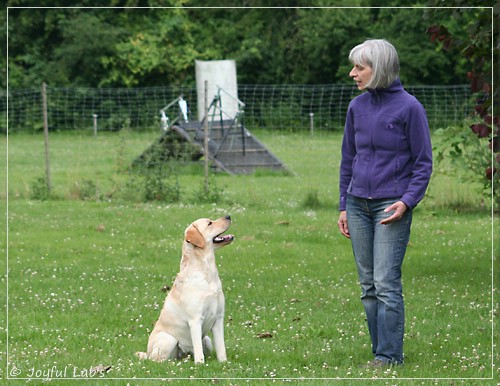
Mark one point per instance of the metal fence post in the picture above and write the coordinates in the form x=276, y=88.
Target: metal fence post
x=205, y=129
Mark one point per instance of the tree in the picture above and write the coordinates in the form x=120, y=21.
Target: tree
x=477, y=46
x=121, y=46
x=421, y=63
x=160, y=50
x=86, y=40
x=323, y=43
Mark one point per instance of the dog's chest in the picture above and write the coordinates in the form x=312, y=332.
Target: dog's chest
x=197, y=297
x=200, y=285
x=196, y=285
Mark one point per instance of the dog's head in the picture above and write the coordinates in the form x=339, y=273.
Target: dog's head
x=205, y=233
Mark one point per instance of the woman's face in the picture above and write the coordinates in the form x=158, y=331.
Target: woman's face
x=361, y=75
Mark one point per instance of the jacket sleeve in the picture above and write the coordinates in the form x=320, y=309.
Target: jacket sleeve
x=348, y=154
x=419, y=138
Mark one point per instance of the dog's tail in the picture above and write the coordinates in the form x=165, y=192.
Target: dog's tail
x=141, y=355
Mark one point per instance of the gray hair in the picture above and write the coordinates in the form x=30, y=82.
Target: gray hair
x=382, y=57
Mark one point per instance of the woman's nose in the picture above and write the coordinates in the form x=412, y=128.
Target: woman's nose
x=353, y=73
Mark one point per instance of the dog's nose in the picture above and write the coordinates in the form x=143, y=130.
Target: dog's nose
x=228, y=217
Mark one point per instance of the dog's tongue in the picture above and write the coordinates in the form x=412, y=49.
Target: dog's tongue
x=223, y=238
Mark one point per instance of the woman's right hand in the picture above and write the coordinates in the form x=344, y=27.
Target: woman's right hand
x=342, y=223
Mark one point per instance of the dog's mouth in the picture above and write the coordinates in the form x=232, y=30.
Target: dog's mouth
x=223, y=239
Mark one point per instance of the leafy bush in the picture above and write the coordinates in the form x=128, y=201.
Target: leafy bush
x=84, y=190
x=158, y=188
x=459, y=150
x=40, y=189
x=208, y=192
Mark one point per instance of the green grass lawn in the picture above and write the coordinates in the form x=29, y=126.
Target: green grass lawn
x=85, y=276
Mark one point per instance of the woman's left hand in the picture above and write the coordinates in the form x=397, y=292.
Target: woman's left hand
x=399, y=209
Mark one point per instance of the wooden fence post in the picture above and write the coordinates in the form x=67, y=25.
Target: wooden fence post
x=95, y=124
x=46, y=135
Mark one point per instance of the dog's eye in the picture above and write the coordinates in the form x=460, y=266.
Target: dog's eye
x=209, y=223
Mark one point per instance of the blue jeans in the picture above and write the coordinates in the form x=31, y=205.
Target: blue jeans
x=379, y=251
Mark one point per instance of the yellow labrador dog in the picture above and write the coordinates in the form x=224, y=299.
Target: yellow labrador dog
x=195, y=305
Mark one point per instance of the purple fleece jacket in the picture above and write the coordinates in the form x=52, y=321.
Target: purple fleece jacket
x=386, y=149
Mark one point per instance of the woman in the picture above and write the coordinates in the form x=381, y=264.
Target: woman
x=385, y=169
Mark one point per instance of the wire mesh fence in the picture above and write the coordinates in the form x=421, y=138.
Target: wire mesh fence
x=273, y=107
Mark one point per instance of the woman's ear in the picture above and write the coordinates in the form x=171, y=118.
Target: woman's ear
x=194, y=236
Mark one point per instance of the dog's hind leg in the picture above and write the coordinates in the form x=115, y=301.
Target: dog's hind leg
x=162, y=347
x=207, y=346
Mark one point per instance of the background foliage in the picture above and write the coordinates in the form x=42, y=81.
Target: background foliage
x=476, y=45
x=126, y=47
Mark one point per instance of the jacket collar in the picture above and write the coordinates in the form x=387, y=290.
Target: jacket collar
x=379, y=93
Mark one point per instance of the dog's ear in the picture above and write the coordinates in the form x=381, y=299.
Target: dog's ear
x=194, y=236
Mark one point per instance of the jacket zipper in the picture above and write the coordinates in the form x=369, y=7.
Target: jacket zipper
x=376, y=98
